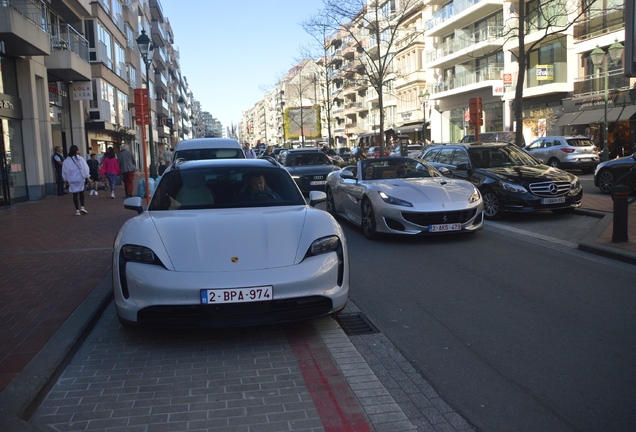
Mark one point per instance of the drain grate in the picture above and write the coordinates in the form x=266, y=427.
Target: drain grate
x=355, y=324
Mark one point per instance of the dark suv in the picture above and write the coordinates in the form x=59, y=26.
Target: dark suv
x=510, y=180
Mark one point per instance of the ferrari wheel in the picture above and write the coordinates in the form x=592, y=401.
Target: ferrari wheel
x=330, y=204
x=368, y=220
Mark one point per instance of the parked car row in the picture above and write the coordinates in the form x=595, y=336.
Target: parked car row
x=214, y=214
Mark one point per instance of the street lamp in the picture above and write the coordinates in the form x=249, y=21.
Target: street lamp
x=600, y=60
x=182, y=103
x=145, y=49
x=424, y=97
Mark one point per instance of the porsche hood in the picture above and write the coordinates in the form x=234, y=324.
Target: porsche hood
x=233, y=239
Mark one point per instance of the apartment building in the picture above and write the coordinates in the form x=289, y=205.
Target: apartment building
x=471, y=49
x=69, y=71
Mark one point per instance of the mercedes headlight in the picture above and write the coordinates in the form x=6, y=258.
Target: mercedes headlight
x=511, y=187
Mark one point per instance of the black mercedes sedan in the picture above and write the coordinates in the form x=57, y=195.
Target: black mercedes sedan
x=309, y=167
x=509, y=179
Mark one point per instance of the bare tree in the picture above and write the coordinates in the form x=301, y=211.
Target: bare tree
x=376, y=26
x=550, y=19
x=318, y=26
x=301, y=85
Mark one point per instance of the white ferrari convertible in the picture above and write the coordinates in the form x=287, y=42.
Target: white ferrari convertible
x=403, y=196
x=228, y=243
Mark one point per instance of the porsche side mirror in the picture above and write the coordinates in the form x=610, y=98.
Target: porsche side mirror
x=463, y=166
x=134, y=203
x=316, y=197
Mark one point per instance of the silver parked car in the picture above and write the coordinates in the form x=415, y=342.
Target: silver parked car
x=566, y=152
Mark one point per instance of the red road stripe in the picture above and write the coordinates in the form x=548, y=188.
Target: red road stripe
x=337, y=406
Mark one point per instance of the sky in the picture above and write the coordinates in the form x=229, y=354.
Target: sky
x=231, y=50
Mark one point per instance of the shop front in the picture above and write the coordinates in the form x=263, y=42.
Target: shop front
x=13, y=184
x=589, y=112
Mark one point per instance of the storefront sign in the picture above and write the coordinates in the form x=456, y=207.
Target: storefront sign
x=545, y=72
x=498, y=89
x=83, y=90
x=507, y=79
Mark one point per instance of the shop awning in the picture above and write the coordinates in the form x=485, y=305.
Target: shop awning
x=409, y=128
x=567, y=119
x=621, y=113
x=591, y=116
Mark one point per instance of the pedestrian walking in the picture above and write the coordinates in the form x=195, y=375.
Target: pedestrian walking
x=110, y=168
x=167, y=156
x=75, y=171
x=58, y=161
x=93, y=170
x=128, y=168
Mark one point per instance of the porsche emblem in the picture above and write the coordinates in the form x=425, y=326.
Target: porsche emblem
x=234, y=259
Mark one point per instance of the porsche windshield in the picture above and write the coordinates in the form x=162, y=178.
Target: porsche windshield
x=225, y=187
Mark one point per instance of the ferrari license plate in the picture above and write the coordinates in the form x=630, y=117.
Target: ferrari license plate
x=445, y=227
x=236, y=295
x=318, y=182
x=558, y=200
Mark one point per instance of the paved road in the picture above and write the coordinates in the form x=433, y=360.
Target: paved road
x=515, y=331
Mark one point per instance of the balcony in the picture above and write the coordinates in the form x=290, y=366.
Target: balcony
x=468, y=80
x=591, y=84
x=163, y=131
x=459, y=14
x=69, y=54
x=161, y=83
x=160, y=57
x=158, y=35
x=163, y=110
x=23, y=28
x=156, y=10
x=465, y=46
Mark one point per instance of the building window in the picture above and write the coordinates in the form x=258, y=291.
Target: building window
x=105, y=46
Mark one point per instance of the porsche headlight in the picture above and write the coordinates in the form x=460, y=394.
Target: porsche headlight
x=511, y=187
x=474, y=197
x=138, y=254
x=395, y=201
x=324, y=245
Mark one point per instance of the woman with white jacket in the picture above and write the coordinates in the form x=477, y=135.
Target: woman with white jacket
x=75, y=171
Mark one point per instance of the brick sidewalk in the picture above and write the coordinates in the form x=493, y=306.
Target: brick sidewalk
x=52, y=260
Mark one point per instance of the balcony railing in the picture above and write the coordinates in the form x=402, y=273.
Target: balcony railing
x=465, y=78
x=448, y=11
x=464, y=40
x=33, y=10
x=67, y=38
x=596, y=83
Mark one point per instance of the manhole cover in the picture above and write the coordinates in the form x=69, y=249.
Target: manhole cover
x=355, y=324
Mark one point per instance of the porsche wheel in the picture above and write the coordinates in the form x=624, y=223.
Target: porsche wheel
x=368, y=220
x=330, y=203
x=492, y=206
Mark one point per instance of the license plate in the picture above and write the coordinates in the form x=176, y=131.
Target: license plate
x=236, y=295
x=318, y=182
x=445, y=227
x=558, y=200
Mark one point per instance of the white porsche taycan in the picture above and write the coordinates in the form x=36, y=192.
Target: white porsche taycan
x=403, y=196
x=228, y=243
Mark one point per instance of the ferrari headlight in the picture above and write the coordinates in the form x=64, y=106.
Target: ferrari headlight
x=474, y=197
x=139, y=254
x=511, y=187
x=324, y=245
x=395, y=201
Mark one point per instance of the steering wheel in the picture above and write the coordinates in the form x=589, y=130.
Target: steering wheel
x=263, y=196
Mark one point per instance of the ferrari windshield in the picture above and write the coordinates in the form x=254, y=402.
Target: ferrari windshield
x=225, y=187
x=500, y=156
x=396, y=168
